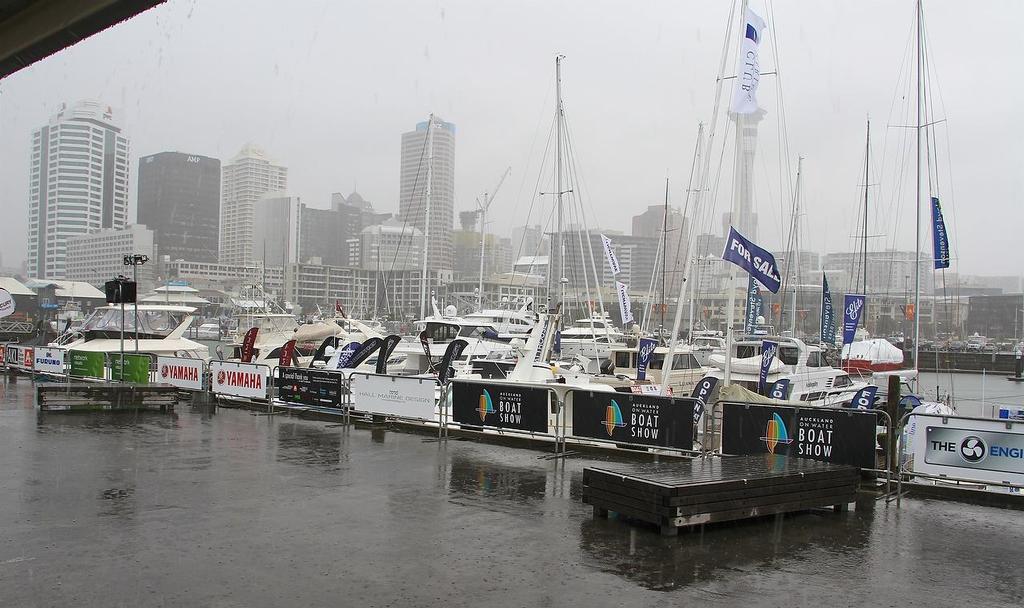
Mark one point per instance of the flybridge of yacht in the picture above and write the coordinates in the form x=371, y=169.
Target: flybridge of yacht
x=153, y=320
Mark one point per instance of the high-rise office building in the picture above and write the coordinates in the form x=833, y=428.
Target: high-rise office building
x=246, y=177
x=412, y=203
x=179, y=200
x=277, y=229
x=78, y=183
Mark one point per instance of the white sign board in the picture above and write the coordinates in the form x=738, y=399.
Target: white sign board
x=403, y=396
x=6, y=303
x=180, y=372
x=239, y=379
x=48, y=360
x=973, y=449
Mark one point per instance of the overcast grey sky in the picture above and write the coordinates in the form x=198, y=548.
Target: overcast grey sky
x=327, y=87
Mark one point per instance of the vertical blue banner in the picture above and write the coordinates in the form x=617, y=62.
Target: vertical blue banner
x=644, y=352
x=701, y=392
x=939, y=237
x=828, y=314
x=865, y=398
x=753, y=305
x=779, y=389
x=853, y=310
x=769, y=349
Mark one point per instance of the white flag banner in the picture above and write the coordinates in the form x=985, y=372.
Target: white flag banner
x=6, y=303
x=625, y=306
x=748, y=67
x=613, y=262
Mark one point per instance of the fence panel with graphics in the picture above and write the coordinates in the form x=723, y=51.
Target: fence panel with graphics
x=838, y=435
x=130, y=367
x=508, y=407
x=86, y=364
x=49, y=360
x=309, y=386
x=405, y=397
x=239, y=379
x=19, y=357
x=631, y=419
x=966, y=449
x=181, y=372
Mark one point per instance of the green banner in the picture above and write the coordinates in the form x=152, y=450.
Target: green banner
x=86, y=364
x=136, y=368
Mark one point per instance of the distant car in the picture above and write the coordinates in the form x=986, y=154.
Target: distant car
x=208, y=331
x=956, y=346
x=989, y=348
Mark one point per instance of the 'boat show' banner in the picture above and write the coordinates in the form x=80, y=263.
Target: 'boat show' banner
x=504, y=406
x=627, y=418
x=842, y=436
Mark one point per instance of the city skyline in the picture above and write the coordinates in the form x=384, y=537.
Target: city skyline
x=684, y=40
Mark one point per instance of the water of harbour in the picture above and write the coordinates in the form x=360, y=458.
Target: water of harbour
x=227, y=508
x=974, y=394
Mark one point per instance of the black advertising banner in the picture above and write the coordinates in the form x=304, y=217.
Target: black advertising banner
x=505, y=406
x=842, y=436
x=309, y=386
x=627, y=418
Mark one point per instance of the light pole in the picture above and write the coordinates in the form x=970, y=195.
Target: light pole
x=134, y=260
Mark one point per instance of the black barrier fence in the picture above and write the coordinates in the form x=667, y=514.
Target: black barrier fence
x=308, y=386
x=501, y=406
x=841, y=436
x=625, y=418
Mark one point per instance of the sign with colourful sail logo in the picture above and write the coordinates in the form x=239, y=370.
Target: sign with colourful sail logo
x=760, y=263
x=504, y=406
x=628, y=418
x=645, y=350
x=940, y=239
x=853, y=310
x=842, y=436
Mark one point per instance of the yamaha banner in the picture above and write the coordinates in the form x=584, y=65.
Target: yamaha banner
x=702, y=392
x=865, y=398
x=769, y=349
x=828, y=315
x=841, y=436
x=779, y=389
x=386, y=348
x=645, y=351
x=753, y=305
x=760, y=263
x=939, y=237
x=627, y=418
x=853, y=310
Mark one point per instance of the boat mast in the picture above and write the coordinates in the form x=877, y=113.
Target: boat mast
x=559, y=117
x=864, y=237
x=917, y=200
x=733, y=216
x=690, y=250
x=664, y=258
x=795, y=265
x=426, y=217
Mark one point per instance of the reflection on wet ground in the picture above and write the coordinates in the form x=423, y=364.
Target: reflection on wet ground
x=225, y=508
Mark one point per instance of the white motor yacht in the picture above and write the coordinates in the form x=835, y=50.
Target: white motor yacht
x=592, y=337
x=811, y=378
x=161, y=330
x=686, y=370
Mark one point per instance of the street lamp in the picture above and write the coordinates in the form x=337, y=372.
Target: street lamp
x=135, y=260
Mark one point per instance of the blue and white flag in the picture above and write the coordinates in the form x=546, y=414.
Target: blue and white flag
x=865, y=398
x=769, y=348
x=779, y=389
x=702, y=392
x=645, y=350
x=609, y=254
x=748, y=66
x=828, y=315
x=939, y=237
x=625, y=305
x=758, y=262
x=343, y=356
x=753, y=305
x=853, y=310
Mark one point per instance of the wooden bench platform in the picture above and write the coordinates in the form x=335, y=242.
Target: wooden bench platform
x=64, y=397
x=701, y=491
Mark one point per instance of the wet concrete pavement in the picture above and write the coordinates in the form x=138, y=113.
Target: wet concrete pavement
x=232, y=509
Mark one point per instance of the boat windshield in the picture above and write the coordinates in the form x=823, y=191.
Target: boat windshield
x=477, y=331
x=157, y=322
x=441, y=332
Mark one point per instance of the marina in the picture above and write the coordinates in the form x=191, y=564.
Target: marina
x=216, y=506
